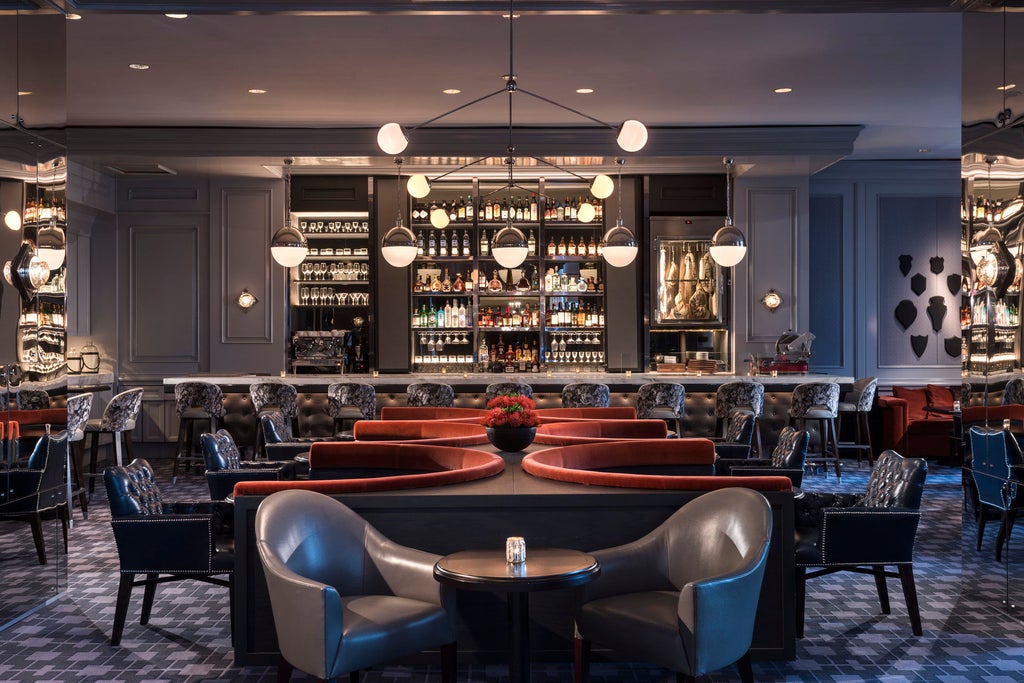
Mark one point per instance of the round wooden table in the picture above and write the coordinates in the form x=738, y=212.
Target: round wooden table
x=544, y=569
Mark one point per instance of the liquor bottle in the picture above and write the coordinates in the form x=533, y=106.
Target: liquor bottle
x=440, y=318
x=531, y=244
x=573, y=210
x=600, y=247
x=551, y=247
x=495, y=284
x=592, y=246
x=469, y=281
x=560, y=211
x=448, y=317
x=535, y=280
x=424, y=316
x=465, y=243
x=446, y=284
x=581, y=316
x=469, y=209
x=462, y=210
x=463, y=315
x=516, y=317
x=453, y=212
x=533, y=207
x=488, y=211
x=591, y=287
x=417, y=285
x=562, y=249
x=547, y=279
x=419, y=243
x=571, y=251
x=501, y=348
x=482, y=283
x=443, y=247
x=481, y=353
x=435, y=284
x=415, y=318
x=581, y=286
x=600, y=316
x=504, y=210
x=432, y=244
x=432, y=317
x=458, y=285
x=523, y=284
x=484, y=244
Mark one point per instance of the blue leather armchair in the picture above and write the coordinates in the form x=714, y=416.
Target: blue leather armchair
x=37, y=491
x=225, y=468
x=997, y=469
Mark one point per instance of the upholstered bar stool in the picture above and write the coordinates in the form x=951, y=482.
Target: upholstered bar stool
x=118, y=419
x=348, y=402
x=433, y=394
x=273, y=397
x=858, y=403
x=79, y=407
x=661, y=401
x=586, y=395
x=31, y=399
x=1013, y=393
x=740, y=396
x=496, y=389
x=195, y=402
x=819, y=402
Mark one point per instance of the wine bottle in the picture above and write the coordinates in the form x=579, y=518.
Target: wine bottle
x=432, y=244
x=443, y=248
x=551, y=247
x=462, y=210
x=531, y=244
x=533, y=207
x=469, y=209
x=419, y=243
x=484, y=244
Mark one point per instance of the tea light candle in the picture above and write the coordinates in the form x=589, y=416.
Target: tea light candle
x=444, y=371
x=465, y=374
x=515, y=550
x=548, y=373
x=956, y=406
x=775, y=373
x=283, y=373
x=1006, y=424
x=629, y=373
x=375, y=373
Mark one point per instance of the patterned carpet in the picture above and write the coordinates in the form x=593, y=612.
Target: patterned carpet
x=968, y=635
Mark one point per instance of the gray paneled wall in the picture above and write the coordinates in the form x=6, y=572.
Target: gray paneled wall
x=623, y=315
x=393, y=288
x=831, y=307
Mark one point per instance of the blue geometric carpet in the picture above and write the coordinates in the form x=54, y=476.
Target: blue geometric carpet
x=968, y=635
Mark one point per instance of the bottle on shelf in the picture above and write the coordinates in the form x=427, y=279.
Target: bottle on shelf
x=489, y=211
x=469, y=210
x=465, y=242
x=562, y=249
x=552, y=249
x=435, y=284
x=442, y=249
x=531, y=244
x=446, y=284
x=459, y=285
x=419, y=243
x=432, y=244
x=484, y=244
x=571, y=249
x=495, y=284
x=533, y=207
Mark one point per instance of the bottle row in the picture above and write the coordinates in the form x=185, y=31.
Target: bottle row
x=441, y=245
x=999, y=313
x=45, y=209
x=520, y=355
x=516, y=209
x=456, y=315
x=341, y=271
x=555, y=281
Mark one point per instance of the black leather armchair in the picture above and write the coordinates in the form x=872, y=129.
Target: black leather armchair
x=997, y=470
x=225, y=468
x=864, y=532
x=280, y=441
x=685, y=595
x=738, y=437
x=37, y=491
x=344, y=597
x=788, y=459
x=185, y=540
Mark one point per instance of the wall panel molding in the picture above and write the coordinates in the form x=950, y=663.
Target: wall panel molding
x=772, y=239
x=246, y=227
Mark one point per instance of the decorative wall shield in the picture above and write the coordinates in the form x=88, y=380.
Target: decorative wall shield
x=954, y=282
x=906, y=261
x=937, y=264
x=919, y=343
x=906, y=313
x=918, y=284
x=953, y=346
x=937, y=311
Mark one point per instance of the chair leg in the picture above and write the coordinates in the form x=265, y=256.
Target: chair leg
x=179, y=451
x=94, y=447
x=800, y=576
x=910, y=595
x=862, y=417
x=76, y=471
x=37, y=536
x=758, y=445
x=449, y=661
x=883, y=588
x=124, y=595
x=284, y=670
x=581, y=660
x=746, y=670
x=981, y=526
x=118, y=458
x=830, y=428
x=64, y=512
x=129, y=448
x=148, y=593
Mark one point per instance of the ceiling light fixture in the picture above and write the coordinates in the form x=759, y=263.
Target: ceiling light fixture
x=12, y=219
x=451, y=91
x=620, y=245
x=1008, y=86
x=72, y=16
x=288, y=246
x=782, y=91
x=172, y=15
x=257, y=91
x=137, y=66
x=399, y=244
x=585, y=91
x=728, y=246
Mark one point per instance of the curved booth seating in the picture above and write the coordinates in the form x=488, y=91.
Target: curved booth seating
x=431, y=413
x=421, y=431
x=594, y=431
x=561, y=414
x=353, y=467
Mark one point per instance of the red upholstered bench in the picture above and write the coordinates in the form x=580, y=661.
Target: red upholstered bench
x=421, y=466
x=430, y=413
x=592, y=431
x=910, y=429
x=613, y=413
x=442, y=433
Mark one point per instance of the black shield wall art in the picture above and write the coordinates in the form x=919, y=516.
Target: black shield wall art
x=953, y=346
x=906, y=313
x=937, y=311
x=919, y=343
x=918, y=284
x=954, y=281
x=937, y=264
x=906, y=260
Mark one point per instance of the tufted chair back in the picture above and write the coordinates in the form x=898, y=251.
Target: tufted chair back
x=791, y=450
x=741, y=429
x=132, y=490
x=31, y=399
x=203, y=396
x=1013, y=393
x=360, y=396
x=862, y=398
x=79, y=407
x=997, y=466
x=220, y=451
x=122, y=411
x=733, y=395
x=586, y=395
x=496, y=389
x=895, y=482
x=654, y=394
x=430, y=394
x=48, y=457
x=277, y=395
x=276, y=427
x=819, y=396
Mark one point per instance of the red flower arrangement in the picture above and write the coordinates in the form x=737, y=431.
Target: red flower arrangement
x=511, y=410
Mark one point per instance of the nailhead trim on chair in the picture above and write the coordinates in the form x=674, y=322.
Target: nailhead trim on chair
x=155, y=519
x=889, y=512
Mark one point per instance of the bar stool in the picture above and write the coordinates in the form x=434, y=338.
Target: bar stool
x=79, y=407
x=351, y=401
x=118, y=419
x=31, y=399
x=742, y=396
x=1013, y=393
x=859, y=403
x=586, y=395
x=819, y=402
x=496, y=389
x=661, y=401
x=273, y=396
x=195, y=402
x=437, y=395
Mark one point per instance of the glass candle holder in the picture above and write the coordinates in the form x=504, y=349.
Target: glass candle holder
x=515, y=550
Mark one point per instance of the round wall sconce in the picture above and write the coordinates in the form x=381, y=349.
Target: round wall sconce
x=247, y=300
x=771, y=300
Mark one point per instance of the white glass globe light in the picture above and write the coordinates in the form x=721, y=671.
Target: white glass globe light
x=586, y=212
x=728, y=246
x=391, y=138
x=509, y=247
x=289, y=247
x=620, y=247
x=399, y=246
x=602, y=187
x=12, y=219
x=439, y=218
x=632, y=136
x=418, y=186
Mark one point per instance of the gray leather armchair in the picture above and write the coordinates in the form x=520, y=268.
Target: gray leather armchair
x=685, y=595
x=344, y=597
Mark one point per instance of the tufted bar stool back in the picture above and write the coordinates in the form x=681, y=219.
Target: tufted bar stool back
x=437, y=395
x=348, y=402
x=746, y=397
x=79, y=407
x=1013, y=392
x=819, y=402
x=118, y=420
x=661, y=401
x=195, y=403
x=273, y=396
x=31, y=399
x=586, y=395
x=496, y=389
x=858, y=404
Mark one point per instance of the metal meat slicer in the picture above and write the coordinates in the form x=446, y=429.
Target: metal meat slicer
x=791, y=354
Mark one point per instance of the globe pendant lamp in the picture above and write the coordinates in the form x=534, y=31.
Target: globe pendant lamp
x=620, y=247
x=399, y=244
x=418, y=186
x=288, y=246
x=728, y=246
x=51, y=245
x=12, y=219
x=508, y=247
x=602, y=187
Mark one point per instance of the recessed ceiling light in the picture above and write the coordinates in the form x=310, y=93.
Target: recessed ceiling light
x=138, y=67
x=782, y=91
x=1008, y=86
x=584, y=91
x=172, y=15
x=257, y=91
x=514, y=16
x=923, y=150
x=72, y=16
x=451, y=91
x=22, y=93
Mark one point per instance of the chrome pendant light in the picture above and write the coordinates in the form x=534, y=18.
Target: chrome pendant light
x=620, y=247
x=51, y=245
x=288, y=246
x=728, y=246
x=508, y=246
x=399, y=244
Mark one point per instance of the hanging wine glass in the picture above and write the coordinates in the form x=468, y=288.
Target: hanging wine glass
x=431, y=345
x=439, y=345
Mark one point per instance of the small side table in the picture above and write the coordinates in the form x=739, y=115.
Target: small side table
x=544, y=569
